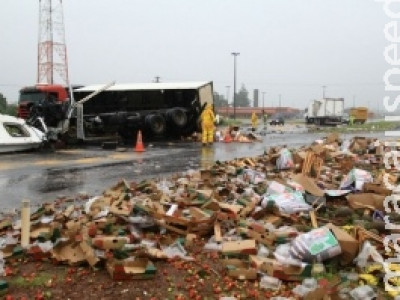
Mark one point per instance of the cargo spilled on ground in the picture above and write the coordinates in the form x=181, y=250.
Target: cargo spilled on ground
x=304, y=223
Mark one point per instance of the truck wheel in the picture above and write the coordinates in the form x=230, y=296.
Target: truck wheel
x=177, y=116
x=156, y=123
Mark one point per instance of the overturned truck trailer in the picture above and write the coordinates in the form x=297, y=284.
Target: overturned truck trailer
x=159, y=110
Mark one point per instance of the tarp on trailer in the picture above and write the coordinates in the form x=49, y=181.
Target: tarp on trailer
x=147, y=86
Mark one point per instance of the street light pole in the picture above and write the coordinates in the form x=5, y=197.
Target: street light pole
x=234, y=82
x=227, y=100
x=263, y=99
x=280, y=98
x=323, y=91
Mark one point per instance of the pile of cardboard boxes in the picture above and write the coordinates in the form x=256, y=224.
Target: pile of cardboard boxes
x=262, y=219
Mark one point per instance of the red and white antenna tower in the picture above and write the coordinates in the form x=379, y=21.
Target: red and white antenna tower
x=52, y=51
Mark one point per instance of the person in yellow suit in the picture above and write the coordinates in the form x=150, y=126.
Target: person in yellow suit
x=254, y=121
x=207, y=125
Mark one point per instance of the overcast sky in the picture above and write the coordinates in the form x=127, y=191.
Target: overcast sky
x=287, y=47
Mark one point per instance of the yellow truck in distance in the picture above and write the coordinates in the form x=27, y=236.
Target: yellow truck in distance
x=359, y=114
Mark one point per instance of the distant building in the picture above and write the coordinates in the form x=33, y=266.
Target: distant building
x=245, y=112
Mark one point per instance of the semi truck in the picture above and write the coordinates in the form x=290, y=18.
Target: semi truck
x=98, y=112
x=326, y=111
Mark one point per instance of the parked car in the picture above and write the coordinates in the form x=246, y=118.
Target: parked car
x=346, y=119
x=277, y=121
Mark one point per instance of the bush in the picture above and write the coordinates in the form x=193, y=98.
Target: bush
x=11, y=110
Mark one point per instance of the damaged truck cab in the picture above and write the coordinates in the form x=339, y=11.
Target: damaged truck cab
x=159, y=110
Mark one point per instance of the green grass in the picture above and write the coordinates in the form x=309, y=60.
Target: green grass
x=371, y=126
x=295, y=121
x=229, y=122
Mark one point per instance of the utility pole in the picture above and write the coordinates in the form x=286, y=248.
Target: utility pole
x=52, y=51
x=227, y=99
x=280, y=99
x=235, y=54
x=354, y=100
x=157, y=79
x=323, y=91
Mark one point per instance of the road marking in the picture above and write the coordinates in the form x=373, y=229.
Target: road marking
x=120, y=156
x=6, y=166
x=45, y=162
x=88, y=160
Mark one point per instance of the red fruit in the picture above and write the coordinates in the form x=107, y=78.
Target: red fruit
x=39, y=295
x=192, y=293
x=68, y=279
x=217, y=290
x=8, y=271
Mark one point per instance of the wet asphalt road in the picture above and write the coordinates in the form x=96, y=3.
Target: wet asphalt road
x=43, y=177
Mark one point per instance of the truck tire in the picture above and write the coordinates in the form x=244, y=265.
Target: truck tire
x=156, y=124
x=177, y=116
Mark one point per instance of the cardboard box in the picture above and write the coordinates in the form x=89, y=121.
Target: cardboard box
x=239, y=247
x=332, y=138
x=289, y=273
x=248, y=207
x=327, y=290
x=267, y=239
x=121, y=207
x=69, y=252
x=40, y=230
x=74, y=226
x=109, y=242
x=376, y=188
x=309, y=185
x=131, y=269
x=205, y=193
x=348, y=244
x=361, y=141
x=239, y=269
x=274, y=220
x=200, y=223
x=260, y=263
x=364, y=200
x=89, y=253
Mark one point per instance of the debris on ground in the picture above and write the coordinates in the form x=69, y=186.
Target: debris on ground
x=305, y=223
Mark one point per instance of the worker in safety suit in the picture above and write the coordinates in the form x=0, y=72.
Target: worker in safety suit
x=265, y=117
x=207, y=125
x=254, y=121
x=351, y=120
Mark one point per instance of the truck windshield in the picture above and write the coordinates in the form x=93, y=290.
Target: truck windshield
x=32, y=97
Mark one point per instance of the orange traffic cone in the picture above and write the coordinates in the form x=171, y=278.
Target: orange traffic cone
x=227, y=137
x=139, y=144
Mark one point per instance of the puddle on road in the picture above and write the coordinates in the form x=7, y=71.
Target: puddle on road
x=58, y=181
x=48, y=184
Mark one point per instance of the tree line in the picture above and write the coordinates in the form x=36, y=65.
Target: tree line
x=242, y=99
x=7, y=108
